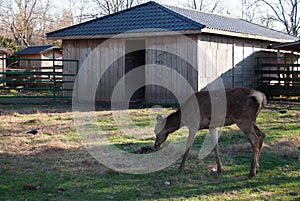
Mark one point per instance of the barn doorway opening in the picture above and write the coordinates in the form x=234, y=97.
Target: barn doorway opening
x=135, y=59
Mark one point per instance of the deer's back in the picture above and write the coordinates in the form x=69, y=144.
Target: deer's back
x=239, y=103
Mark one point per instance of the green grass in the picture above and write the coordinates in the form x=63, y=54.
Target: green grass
x=61, y=169
x=193, y=184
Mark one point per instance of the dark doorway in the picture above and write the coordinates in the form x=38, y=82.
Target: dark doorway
x=135, y=58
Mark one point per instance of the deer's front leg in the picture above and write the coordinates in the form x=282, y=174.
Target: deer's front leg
x=191, y=138
x=214, y=139
x=182, y=165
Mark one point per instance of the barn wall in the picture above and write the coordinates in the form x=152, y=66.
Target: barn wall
x=213, y=56
x=29, y=64
x=232, y=59
x=49, y=55
x=2, y=66
x=94, y=57
x=173, y=61
x=178, y=53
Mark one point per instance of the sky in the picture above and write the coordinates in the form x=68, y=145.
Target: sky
x=234, y=6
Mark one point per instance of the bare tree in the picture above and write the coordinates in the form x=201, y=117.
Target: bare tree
x=105, y=7
x=43, y=19
x=79, y=10
x=249, y=10
x=18, y=16
x=26, y=21
x=82, y=11
x=283, y=11
x=204, y=5
x=252, y=12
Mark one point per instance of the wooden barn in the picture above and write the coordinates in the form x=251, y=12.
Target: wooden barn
x=4, y=53
x=32, y=57
x=278, y=74
x=174, y=49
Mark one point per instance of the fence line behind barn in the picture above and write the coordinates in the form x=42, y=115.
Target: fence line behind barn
x=36, y=81
x=278, y=76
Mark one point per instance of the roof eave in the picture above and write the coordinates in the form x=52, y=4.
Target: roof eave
x=48, y=50
x=290, y=46
x=125, y=35
x=244, y=35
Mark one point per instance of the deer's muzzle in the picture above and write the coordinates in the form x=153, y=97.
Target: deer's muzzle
x=156, y=146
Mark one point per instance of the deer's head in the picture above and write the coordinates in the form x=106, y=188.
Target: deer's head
x=160, y=131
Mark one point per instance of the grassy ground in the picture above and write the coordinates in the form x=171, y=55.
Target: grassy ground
x=54, y=165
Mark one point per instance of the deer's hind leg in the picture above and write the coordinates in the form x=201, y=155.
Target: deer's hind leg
x=261, y=136
x=255, y=141
x=214, y=139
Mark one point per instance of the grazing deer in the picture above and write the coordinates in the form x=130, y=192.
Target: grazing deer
x=242, y=107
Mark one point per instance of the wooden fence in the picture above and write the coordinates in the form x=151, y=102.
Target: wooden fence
x=278, y=76
x=35, y=84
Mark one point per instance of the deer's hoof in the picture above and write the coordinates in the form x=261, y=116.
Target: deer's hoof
x=181, y=167
x=251, y=175
x=220, y=170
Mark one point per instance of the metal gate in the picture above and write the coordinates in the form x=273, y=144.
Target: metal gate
x=278, y=76
x=36, y=81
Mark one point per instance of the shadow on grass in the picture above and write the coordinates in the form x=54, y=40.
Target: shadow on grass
x=33, y=109
x=72, y=174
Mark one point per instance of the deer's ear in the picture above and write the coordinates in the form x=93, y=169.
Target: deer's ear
x=159, y=118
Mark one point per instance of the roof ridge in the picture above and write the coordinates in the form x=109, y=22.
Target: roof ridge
x=102, y=17
x=129, y=9
x=177, y=14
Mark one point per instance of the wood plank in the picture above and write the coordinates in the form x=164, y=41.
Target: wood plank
x=168, y=64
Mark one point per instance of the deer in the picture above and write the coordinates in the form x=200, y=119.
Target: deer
x=241, y=107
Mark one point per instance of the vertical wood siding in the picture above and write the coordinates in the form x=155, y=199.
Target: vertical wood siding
x=172, y=59
x=229, y=58
x=213, y=56
x=101, y=61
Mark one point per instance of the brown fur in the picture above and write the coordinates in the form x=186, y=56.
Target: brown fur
x=238, y=106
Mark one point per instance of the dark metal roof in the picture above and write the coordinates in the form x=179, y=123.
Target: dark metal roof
x=148, y=17
x=36, y=49
x=153, y=17
x=292, y=46
x=223, y=23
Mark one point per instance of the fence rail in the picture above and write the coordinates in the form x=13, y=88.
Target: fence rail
x=278, y=76
x=36, y=84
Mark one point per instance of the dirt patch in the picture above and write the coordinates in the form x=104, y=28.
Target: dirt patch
x=282, y=105
x=48, y=158
x=55, y=147
x=289, y=148
x=16, y=110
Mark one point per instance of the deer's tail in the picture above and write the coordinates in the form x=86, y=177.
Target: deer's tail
x=260, y=98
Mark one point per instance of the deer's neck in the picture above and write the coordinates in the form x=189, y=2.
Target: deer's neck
x=173, y=121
